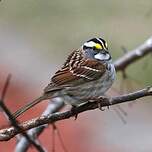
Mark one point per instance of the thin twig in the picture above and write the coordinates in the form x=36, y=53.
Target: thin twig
x=60, y=138
x=23, y=144
x=11, y=118
x=123, y=62
x=5, y=87
x=6, y=134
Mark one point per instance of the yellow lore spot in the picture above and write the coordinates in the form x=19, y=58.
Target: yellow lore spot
x=98, y=46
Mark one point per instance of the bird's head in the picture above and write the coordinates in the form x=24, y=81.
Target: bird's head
x=97, y=48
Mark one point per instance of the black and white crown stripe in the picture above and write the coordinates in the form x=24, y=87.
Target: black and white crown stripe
x=94, y=41
x=103, y=43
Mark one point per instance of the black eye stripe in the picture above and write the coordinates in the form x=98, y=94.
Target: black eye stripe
x=86, y=47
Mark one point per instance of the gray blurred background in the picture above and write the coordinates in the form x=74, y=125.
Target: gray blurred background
x=37, y=35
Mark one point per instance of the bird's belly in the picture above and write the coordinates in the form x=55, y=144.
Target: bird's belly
x=76, y=95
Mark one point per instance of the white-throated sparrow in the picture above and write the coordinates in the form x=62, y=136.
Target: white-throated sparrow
x=87, y=73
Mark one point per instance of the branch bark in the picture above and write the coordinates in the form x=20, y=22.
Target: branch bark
x=13, y=121
x=6, y=134
x=23, y=143
x=132, y=56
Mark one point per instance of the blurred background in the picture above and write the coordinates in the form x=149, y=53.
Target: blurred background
x=35, y=38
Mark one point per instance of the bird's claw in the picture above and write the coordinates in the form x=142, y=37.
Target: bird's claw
x=73, y=110
x=100, y=104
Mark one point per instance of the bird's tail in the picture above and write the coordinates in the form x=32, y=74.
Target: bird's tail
x=28, y=106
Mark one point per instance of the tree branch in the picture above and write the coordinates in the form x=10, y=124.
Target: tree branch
x=23, y=143
x=132, y=56
x=6, y=134
x=13, y=121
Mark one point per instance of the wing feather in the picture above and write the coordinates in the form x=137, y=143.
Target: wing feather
x=76, y=71
x=88, y=70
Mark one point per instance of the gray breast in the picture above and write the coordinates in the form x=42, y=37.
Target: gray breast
x=75, y=95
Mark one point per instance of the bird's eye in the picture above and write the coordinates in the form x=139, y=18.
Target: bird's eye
x=94, y=48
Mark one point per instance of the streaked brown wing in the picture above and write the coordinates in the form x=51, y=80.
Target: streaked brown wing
x=60, y=80
x=64, y=77
x=88, y=70
x=76, y=72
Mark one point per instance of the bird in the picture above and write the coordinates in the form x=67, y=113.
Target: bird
x=88, y=72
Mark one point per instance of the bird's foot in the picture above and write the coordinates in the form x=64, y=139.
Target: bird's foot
x=100, y=103
x=73, y=109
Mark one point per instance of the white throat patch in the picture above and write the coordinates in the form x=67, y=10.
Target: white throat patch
x=101, y=56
